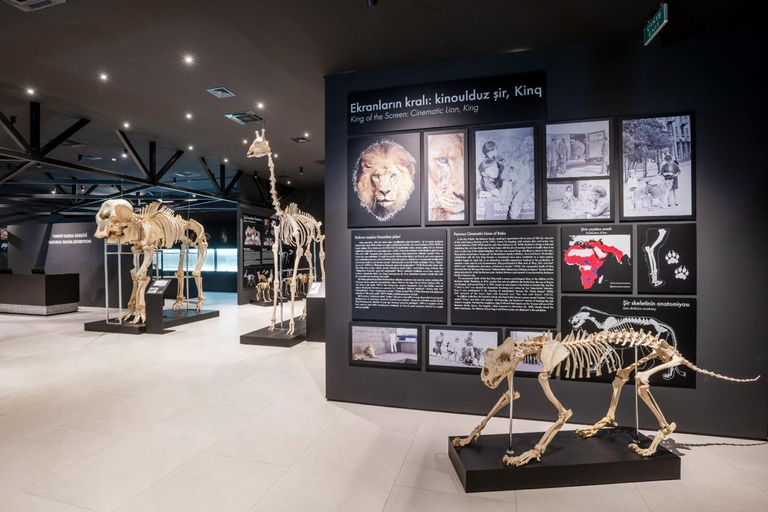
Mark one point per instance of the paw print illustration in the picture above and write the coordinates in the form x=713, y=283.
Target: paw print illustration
x=672, y=258
x=681, y=272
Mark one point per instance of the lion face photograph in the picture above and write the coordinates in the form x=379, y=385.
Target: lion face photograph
x=446, y=173
x=384, y=182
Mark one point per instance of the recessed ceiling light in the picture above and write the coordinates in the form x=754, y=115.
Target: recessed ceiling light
x=125, y=153
x=188, y=115
x=289, y=182
x=31, y=92
x=245, y=141
x=275, y=155
x=260, y=105
x=104, y=77
x=306, y=134
x=226, y=160
x=189, y=59
x=126, y=125
x=191, y=148
x=53, y=191
x=114, y=160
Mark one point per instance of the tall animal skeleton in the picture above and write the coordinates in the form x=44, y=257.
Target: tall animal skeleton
x=297, y=229
x=576, y=354
x=154, y=226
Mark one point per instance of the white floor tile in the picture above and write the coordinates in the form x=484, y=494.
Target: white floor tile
x=407, y=499
x=22, y=502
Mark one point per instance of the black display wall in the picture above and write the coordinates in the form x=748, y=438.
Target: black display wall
x=712, y=75
x=69, y=248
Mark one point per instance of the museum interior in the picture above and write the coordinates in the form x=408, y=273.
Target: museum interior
x=382, y=256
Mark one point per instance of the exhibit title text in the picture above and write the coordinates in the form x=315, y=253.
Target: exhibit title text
x=445, y=99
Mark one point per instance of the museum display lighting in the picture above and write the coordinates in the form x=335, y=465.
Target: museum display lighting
x=226, y=160
x=31, y=92
x=114, y=159
x=191, y=148
x=125, y=153
x=306, y=135
x=260, y=105
x=104, y=77
x=245, y=141
x=189, y=60
x=126, y=125
x=188, y=115
x=301, y=170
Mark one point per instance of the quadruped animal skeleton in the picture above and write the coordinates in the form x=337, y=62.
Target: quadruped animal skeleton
x=574, y=354
x=153, y=227
x=297, y=229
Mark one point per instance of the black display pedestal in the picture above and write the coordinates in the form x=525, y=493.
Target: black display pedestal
x=316, y=319
x=267, y=303
x=568, y=461
x=278, y=337
x=124, y=328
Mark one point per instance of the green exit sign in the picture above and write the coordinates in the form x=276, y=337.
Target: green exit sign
x=655, y=24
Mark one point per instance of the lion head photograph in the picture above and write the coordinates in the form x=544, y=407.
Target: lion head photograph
x=384, y=178
x=446, y=172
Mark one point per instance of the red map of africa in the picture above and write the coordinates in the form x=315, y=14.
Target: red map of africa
x=589, y=257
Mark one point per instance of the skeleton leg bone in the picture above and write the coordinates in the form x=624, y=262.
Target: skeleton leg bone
x=609, y=420
x=202, y=249
x=321, y=255
x=276, y=282
x=180, y=277
x=131, y=308
x=458, y=442
x=308, y=283
x=643, y=389
x=143, y=280
x=291, y=322
x=562, y=416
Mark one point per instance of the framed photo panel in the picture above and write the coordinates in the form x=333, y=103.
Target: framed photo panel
x=596, y=259
x=385, y=345
x=667, y=258
x=504, y=175
x=459, y=349
x=384, y=181
x=446, y=178
x=658, y=175
x=578, y=171
x=531, y=365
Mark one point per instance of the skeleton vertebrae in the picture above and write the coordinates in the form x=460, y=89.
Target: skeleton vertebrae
x=576, y=353
x=153, y=227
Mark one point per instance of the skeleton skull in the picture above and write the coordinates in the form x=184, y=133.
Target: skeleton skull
x=112, y=218
x=499, y=363
x=259, y=147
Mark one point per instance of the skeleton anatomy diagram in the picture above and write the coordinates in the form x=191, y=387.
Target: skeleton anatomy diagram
x=297, y=229
x=153, y=227
x=574, y=354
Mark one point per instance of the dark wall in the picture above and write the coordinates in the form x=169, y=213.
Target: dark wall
x=29, y=248
x=715, y=76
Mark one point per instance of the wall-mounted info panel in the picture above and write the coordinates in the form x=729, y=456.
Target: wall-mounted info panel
x=399, y=275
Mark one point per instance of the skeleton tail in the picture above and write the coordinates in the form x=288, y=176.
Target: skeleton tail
x=713, y=374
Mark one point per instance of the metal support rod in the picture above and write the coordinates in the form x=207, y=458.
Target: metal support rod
x=510, y=451
x=120, y=281
x=106, y=283
x=637, y=409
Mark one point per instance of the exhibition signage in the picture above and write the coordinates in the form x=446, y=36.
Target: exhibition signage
x=655, y=24
x=496, y=99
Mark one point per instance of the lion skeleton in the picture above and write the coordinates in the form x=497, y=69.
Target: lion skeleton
x=296, y=229
x=574, y=354
x=153, y=227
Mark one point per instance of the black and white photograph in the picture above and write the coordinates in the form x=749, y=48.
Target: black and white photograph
x=531, y=365
x=446, y=177
x=384, y=181
x=461, y=350
x=667, y=255
x=505, y=175
x=580, y=149
x=671, y=319
x=658, y=175
x=596, y=259
x=576, y=200
x=387, y=346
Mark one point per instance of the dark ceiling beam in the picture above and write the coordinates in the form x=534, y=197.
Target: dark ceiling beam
x=13, y=133
x=133, y=154
x=121, y=193
x=58, y=186
x=63, y=136
x=210, y=176
x=222, y=177
x=152, y=159
x=232, y=183
x=167, y=167
x=15, y=171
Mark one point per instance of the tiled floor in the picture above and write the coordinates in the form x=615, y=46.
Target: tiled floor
x=194, y=421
